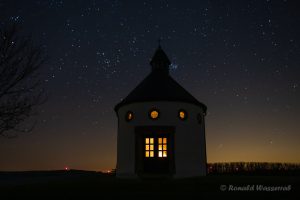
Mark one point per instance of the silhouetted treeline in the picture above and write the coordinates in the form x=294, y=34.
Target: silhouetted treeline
x=255, y=168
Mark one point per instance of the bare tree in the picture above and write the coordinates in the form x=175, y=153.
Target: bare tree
x=20, y=88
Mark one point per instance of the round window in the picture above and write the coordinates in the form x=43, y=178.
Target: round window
x=154, y=114
x=129, y=116
x=182, y=114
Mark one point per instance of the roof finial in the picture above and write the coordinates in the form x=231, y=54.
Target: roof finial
x=160, y=61
x=159, y=41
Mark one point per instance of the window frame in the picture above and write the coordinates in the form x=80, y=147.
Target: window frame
x=162, y=150
x=147, y=148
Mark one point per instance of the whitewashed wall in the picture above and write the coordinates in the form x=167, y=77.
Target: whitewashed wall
x=190, y=148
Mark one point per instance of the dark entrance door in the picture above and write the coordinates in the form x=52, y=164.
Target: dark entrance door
x=155, y=150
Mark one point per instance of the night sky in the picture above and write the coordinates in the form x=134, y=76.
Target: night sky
x=240, y=58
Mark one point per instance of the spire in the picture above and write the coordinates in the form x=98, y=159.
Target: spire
x=159, y=40
x=160, y=61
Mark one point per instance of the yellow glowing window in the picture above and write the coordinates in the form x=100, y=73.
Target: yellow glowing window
x=151, y=140
x=165, y=141
x=182, y=114
x=160, y=154
x=154, y=114
x=164, y=153
x=151, y=154
x=149, y=147
x=160, y=140
x=162, y=147
x=129, y=116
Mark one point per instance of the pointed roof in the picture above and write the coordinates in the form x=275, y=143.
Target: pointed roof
x=160, y=61
x=159, y=85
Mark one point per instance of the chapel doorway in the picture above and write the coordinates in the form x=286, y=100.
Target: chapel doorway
x=155, y=150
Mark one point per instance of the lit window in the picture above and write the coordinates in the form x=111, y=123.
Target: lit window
x=164, y=153
x=182, y=114
x=149, y=147
x=160, y=154
x=154, y=114
x=165, y=141
x=151, y=141
x=151, y=154
x=129, y=116
x=162, y=147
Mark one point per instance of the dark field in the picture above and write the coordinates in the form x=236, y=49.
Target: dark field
x=84, y=184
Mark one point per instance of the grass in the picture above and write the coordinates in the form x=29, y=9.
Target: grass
x=85, y=184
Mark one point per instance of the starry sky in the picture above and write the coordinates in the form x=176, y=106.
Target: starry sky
x=240, y=58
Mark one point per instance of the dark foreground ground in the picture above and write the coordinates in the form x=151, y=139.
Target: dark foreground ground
x=85, y=185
